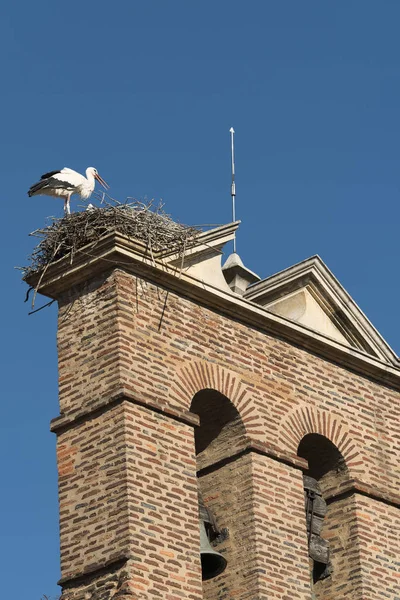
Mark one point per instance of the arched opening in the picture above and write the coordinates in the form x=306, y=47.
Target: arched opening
x=327, y=521
x=221, y=432
x=325, y=462
x=224, y=482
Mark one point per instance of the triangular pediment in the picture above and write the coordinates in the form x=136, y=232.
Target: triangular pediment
x=309, y=294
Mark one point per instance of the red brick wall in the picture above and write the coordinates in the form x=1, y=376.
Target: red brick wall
x=340, y=530
x=228, y=492
x=163, y=506
x=379, y=542
x=280, y=530
x=88, y=345
x=93, y=492
x=119, y=337
x=122, y=335
x=128, y=490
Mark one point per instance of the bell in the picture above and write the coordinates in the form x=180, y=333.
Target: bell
x=212, y=562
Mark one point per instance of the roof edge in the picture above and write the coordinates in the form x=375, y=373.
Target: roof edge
x=117, y=251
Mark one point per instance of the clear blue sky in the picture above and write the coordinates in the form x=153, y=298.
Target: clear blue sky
x=146, y=92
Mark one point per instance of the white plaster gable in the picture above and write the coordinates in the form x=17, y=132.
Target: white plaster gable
x=303, y=308
x=309, y=294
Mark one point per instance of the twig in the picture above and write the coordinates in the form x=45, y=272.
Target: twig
x=42, y=275
x=32, y=312
x=27, y=294
x=163, y=311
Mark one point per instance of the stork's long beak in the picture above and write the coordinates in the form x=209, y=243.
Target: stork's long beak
x=101, y=181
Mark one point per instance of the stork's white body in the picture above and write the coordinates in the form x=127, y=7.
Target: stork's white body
x=77, y=182
x=65, y=183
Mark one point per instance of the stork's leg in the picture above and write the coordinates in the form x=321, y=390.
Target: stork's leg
x=67, y=209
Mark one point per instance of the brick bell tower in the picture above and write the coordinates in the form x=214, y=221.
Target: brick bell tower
x=277, y=401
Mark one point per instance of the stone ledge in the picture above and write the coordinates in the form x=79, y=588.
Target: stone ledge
x=352, y=486
x=258, y=448
x=64, y=422
x=74, y=579
x=355, y=486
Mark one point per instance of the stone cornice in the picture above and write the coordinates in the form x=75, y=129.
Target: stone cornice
x=117, y=251
x=206, y=241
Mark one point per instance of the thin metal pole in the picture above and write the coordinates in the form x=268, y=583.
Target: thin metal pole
x=233, y=186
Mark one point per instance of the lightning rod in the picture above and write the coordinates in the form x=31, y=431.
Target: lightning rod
x=233, y=186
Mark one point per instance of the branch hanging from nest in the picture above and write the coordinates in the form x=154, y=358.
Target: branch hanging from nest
x=134, y=219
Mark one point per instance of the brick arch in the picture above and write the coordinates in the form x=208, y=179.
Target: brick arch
x=309, y=419
x=196, y=376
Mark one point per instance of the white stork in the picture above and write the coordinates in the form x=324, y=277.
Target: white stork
x=65, y=183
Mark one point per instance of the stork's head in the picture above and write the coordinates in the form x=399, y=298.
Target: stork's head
x=91, y=171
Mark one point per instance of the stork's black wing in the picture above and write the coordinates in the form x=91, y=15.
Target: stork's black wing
x=48, y=181
x=49, y=174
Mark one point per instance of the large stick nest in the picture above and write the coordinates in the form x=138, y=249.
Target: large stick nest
x=134, y=219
